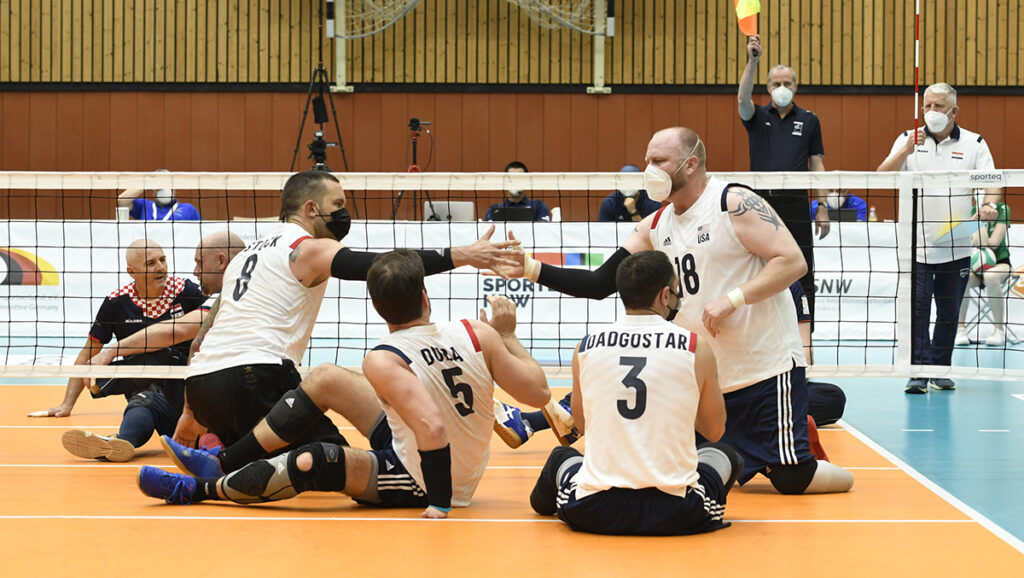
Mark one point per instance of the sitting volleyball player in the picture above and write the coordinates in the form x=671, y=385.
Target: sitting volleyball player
x=825, y=401
x=431, y=440
x=153, y=404
x=642, y=388
x=735, y=259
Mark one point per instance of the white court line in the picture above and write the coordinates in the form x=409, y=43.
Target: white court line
x=1019, y=396
x=989, y=525
x=422, y=520
x=924, y=430
x=994, y=430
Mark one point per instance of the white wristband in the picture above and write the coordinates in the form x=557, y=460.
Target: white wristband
x=531, y=267
x=737, y=297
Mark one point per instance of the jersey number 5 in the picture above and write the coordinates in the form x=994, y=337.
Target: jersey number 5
x=464, y=404
x=633, y=381
x=242, y=283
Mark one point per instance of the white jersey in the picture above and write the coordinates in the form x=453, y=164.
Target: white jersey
x=447, y=359
x=938, y=206
x=265, y=314
x=640, y=397
x=757, y=341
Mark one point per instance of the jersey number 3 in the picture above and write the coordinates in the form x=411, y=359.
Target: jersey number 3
x=633, y=381
x=242, y=283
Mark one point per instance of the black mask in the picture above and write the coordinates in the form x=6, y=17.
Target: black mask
x=672, y=312
x=339, y=224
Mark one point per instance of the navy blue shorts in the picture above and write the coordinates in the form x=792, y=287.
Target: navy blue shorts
x=396, y=488
x=646, y=512
x=767, y=422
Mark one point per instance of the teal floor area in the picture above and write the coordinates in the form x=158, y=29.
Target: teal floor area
x=969, y=442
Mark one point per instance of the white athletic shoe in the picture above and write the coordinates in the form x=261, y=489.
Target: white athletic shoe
x=997, y=339
x=962, y=338
x=86, y=444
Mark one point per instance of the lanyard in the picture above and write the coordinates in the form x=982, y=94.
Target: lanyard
x=167, y=215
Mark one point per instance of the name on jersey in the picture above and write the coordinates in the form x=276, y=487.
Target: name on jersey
x=263, y=244
x=638, y=340
x=436, y=354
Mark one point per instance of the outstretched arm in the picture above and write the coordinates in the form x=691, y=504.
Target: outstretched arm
x=596, y=284
x=155, y=337
x=75, y=384
x=746, y=102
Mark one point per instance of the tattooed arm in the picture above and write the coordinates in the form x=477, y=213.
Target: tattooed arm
x=761, y=231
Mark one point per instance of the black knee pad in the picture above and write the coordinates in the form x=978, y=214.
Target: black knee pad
x=327, y=473
x=144, y=399
x=792, y=479
x=825, y=402
x=293, y=415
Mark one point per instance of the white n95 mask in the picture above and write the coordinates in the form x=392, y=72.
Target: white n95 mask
x=164, y=196
x=936, y=121
x=658, y=183
x=782, y=96
x=629, y=193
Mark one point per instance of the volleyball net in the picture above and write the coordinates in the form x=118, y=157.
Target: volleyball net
x=62, y=251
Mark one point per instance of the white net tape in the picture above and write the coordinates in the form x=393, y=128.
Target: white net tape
x=862, y=269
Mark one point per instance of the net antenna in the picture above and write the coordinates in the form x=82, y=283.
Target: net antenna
x=580, y=15
x=361, y=18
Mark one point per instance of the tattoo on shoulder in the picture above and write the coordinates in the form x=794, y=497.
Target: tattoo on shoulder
x=752, y=202
x=294, y=255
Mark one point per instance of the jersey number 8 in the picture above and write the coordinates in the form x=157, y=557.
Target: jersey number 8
x=242, y=283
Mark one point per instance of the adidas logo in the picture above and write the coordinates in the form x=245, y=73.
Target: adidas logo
x=388, y=465
x=280, y=468
x=666, y=242
x=290, y=401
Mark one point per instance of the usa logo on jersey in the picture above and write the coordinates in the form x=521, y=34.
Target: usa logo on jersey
x=703, y=233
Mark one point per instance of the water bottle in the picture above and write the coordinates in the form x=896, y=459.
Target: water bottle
x=872, y=214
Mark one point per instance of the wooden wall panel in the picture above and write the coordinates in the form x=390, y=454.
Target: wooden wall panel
x=210, y=131
x=657, y=42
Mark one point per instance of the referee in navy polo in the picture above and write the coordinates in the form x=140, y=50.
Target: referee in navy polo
x=785, y=137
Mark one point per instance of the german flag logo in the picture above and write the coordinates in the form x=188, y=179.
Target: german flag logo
x=24, y=268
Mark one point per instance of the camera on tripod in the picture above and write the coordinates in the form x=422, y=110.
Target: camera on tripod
x=318, y=151
x=417, y=124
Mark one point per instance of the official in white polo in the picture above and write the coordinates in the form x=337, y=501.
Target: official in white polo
x=941, y=263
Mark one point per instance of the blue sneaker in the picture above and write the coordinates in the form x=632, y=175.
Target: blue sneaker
x=196, y=462
x=510, y=425
x=168, y=486
x=559, y=417
x=942, y=383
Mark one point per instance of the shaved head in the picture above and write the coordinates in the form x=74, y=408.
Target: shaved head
x=147, y=266
x=213, y=254
x=682, y=140
x=135, y=256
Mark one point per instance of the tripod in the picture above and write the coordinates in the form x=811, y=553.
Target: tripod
x=415, y=128
x=320, y=83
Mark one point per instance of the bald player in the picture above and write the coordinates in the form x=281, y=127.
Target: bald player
x=735, y=260
x=153, y=404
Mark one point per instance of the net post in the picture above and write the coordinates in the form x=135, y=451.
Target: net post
x=905, y=283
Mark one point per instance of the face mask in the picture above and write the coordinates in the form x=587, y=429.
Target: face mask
x=675, y=310
x=834, y=201
x=164, y=197
x=339, y=224
x=515, y=194
x=936, y=121
x=629, y=193
x=782, y=96
x=658, y=183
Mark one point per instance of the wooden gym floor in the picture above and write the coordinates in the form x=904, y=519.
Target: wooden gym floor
x=63, y=516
